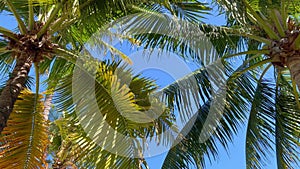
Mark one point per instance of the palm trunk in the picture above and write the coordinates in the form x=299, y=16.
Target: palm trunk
x=13, y=87
x=47, y=108
x=64, y=159
x=293, y=63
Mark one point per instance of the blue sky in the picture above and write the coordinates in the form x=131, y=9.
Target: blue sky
x=233, y=159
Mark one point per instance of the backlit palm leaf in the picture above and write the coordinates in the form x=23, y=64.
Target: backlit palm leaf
x=125, y=107
x=77, y=148
x=24, y=141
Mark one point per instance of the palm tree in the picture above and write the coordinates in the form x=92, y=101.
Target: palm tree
x=262, y=93
x=50, y=36
x=45, y=37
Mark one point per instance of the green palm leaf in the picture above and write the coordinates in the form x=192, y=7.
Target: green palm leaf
x=261, y=126
x=5, y=60
x=190, y=151
x=195, y=146
x=78, y=148
x=127, y=110
x=287, y=126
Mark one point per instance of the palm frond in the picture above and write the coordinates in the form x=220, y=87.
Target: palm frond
x=235, y=11
x=201, y=141
x=162, y=31
x=287, y=129
x=188, y=92
x=202, y=43
x=118, y=96
x=55, y=69
x=76, y=147
x=190, y=151
x=245, y=12
x=191, y=11
x=194, y=150
x=21, y=6
x=261, y=126
x=25, y=139
x=94, y=15
x=5, y=59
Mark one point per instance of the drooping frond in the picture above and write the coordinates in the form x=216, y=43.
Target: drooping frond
x=5, y=60
x=25, y=139
x=75, y=147
x=216, y=122
x=191, y=11
x=193, y=149
x=95, y=15
x=190, y=151
x=55, y=69
x=287, y=129
x=188, y=93
x=166, y=33
x=261, y=126
x=202, y=44
x=114, y=94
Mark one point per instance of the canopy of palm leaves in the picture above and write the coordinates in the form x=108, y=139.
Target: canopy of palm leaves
x=261, y=93
x=50, y=36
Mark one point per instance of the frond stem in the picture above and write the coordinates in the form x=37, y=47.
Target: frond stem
x=239, y=73
x=36, y=101
x=3, y=50
x=8, y=33
x=31, y=15
x=65, y=54
x=296, y=93
x=57, y=25
x=250, y=52
x=238, y=32
x=21, y=24
x=50, y=19
x=264, y=72
x=261, y=22
x=274, y=16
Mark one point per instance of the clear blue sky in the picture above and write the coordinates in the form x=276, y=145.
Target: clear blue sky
x=234, y=159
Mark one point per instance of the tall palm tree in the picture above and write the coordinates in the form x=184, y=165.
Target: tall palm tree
x=49, y=36
x=262, y=94
x=45, y=37
x=268, y=101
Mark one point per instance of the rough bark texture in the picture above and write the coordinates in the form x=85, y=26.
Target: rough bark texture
x=13, y=87
x=65, y=160
x=47, y=106
x=293, y=63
